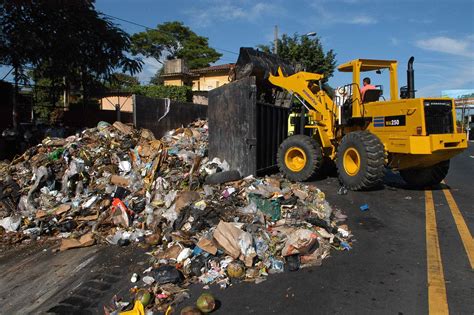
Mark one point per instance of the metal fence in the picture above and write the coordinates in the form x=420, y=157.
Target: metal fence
x=161, y=115
x=158, y=115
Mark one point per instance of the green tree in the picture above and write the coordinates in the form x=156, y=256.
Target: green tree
x=46, y=98
x=85, y=46
x=176, y=93
x=175, y=40
x=467, y=95
x=121, y=81
x=14, y=34
x=307, y=51
x=66, y=42
x=157, y=79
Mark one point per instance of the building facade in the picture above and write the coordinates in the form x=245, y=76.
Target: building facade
x=201, y=80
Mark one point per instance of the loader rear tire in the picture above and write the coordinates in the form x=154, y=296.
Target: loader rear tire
x=428, y=176
x=360, y=161
x=299, y=158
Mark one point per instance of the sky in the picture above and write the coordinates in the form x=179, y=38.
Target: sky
x=439, y=33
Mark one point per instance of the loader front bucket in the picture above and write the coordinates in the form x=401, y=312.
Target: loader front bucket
x=255, y=63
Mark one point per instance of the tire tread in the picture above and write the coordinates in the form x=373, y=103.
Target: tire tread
x=428, y=176
x=315, y=155
x=375, y=153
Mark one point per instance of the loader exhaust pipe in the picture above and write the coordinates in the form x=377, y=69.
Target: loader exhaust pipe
x=411, y=78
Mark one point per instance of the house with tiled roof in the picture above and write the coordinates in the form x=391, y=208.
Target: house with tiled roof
x=201, y=80
x=204, y=79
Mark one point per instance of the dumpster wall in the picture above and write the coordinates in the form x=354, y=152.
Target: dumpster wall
x=232, y=121
x=242, y=131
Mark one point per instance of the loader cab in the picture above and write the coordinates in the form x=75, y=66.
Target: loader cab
x=359, y=66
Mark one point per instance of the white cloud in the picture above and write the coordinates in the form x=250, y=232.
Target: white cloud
x=327, y=17
x=394, y=41
x=362, y=20
x=449, y=72
x=225, y=10
x=458, y=47
x=451, y=75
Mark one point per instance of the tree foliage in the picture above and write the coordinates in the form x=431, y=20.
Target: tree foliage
x=17, y=46
x=307, y=51
x=66, y=43
x=176, y=93
x=46, y=98
x=121, y=81
x=175, y=40
x=63, y=38
x=157, y=78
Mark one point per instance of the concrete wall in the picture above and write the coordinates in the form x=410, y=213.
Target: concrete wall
x=175, y=82
x=205, y=81
x=209, y=81
x=200, y=97
x=175, y=66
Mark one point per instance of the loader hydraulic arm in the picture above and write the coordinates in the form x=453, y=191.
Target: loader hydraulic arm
x=321, y=110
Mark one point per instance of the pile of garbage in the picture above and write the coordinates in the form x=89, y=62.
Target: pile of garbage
x=118, y=185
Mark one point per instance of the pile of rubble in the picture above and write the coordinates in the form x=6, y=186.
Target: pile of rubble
x=118, y=185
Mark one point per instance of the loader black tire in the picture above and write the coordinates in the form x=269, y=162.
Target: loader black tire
x=303, y=145
x=360, y=161
x=428, y=176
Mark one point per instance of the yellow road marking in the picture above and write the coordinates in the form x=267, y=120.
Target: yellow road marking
x=437, y=301
x=463, y=230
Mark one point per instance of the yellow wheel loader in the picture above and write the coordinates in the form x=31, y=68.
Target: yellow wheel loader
x=416, y=136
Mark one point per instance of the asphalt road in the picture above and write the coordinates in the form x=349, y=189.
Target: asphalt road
x=410, y=256
x=386, y=272
x=34, y=280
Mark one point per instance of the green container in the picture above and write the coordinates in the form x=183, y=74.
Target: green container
x=271, y=207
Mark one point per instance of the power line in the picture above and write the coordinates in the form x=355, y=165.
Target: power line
x=160, y=31
x=127, y=21
x=33, y=85
x=6, y=75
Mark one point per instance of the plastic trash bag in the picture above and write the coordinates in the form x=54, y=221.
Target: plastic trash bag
x=11, y=224
x=299, y=242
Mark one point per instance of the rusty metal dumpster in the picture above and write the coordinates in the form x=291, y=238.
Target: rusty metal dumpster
x=243, y=131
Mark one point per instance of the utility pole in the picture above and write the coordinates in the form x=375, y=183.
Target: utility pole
x=275, y=40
